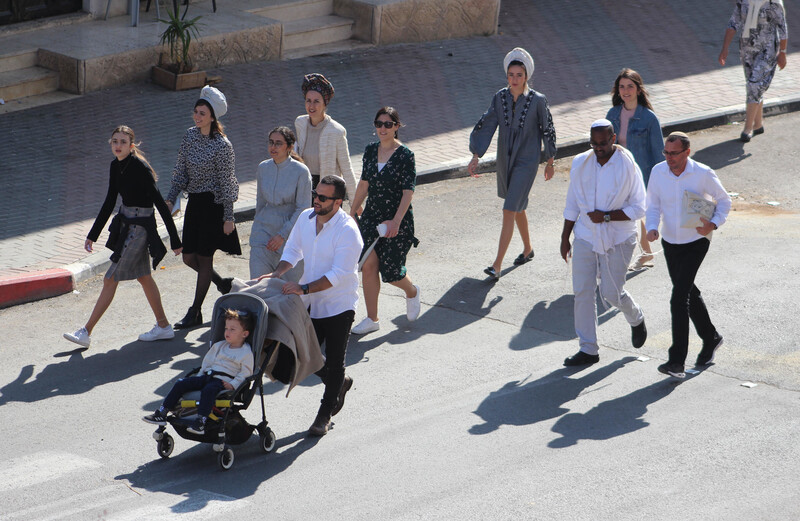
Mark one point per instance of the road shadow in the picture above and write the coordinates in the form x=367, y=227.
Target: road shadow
x=463, y=304
x=195, y=472
x=520, y=403
x=723, y=154
x=79, y=374
x=555, y=317
x=612, y=418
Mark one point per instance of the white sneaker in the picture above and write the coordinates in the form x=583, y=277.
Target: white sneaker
x=80, y=337
x=158, y=333
x=366, y=326
x=412, y=306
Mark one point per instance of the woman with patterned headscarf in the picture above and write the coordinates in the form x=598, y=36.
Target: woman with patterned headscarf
x=524, y=120
x=762, y=49
x=321, y=141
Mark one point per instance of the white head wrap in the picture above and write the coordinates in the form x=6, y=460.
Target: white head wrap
x=216, y=99
x=521, y=55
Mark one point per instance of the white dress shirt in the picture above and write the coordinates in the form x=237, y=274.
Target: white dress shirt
x=617, y=185
x=333, y=254
x=665, y=199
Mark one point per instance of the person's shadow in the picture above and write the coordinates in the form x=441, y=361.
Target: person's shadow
x=197, y=468
x=722, y=154
x=611, y=418
x=519, y=403
x=78, y=375
x=463, y=304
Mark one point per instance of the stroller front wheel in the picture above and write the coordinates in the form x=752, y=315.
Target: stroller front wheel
x=268, y=440
x=225, y=458
x=165, y=446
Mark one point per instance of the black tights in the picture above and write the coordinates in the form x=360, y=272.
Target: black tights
x=204, y=266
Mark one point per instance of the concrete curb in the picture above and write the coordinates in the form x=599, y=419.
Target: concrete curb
x=29, y=287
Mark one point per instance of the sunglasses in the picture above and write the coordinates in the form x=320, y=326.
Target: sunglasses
x=672, y=154
x=322, y=198
x=385, y=124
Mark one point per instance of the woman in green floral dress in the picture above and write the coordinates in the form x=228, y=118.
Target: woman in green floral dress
x=387, y=182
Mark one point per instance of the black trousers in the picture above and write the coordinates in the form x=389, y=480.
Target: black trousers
x=334, y=332
x=686, y=303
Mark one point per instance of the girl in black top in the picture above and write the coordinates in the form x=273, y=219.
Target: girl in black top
x=132, y=235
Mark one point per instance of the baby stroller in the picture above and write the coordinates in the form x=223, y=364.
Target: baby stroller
x=226, y=426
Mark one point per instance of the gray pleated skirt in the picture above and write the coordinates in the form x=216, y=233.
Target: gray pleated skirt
x=135, y=259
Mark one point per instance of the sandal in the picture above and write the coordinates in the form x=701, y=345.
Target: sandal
x=492, y=273
x=522, y=259
x=641, y=263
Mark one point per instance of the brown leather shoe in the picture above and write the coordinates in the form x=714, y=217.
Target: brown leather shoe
x=346, y=385
x=320, y=426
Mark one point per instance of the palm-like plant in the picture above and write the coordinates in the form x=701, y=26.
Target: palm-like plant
x=178, y=35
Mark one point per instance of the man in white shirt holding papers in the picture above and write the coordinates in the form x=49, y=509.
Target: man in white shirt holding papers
x=329, y=241
x=605, y=199
x=685, y=243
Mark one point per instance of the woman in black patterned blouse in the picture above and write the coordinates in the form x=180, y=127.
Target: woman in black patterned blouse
x=388, y=179
x=205, y=169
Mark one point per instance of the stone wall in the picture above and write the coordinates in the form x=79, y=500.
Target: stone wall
x=384, y=22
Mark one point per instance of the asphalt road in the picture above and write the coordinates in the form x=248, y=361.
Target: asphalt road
x=466, y=413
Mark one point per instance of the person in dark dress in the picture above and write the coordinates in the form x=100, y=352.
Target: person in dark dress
x=134, y=237
x=206, y=170
x=523, y=121
x=387, y=182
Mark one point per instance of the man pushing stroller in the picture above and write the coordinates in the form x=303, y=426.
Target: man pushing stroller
x=225, y=366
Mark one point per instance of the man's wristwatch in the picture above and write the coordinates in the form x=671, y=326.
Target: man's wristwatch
x=304, y=287
x=607, y=217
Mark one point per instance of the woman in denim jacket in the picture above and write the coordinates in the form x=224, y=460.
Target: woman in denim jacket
x=637, y=129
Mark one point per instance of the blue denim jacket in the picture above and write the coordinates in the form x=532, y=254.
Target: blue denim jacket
x=644, y=139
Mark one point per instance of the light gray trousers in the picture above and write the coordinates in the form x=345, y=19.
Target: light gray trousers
x=610, y=268
x=263, y=261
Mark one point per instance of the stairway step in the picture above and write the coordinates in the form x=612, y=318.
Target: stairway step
x=291, y=11
x=30, y=81
x=18, y=60
x=30, y=102
x=342, y=46
x=318, y=30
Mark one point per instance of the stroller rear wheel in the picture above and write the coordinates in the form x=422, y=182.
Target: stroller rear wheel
x=268, y=440
x=165, y=446
x=225, y=458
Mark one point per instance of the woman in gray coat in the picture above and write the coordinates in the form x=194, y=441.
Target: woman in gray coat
x=283, y=192
x=524, y=122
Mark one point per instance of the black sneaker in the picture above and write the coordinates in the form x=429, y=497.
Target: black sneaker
x=157, y=418
x=672, y=369
x=638, y=335
x=198, y=427
x=581, y=358
x=706, y=355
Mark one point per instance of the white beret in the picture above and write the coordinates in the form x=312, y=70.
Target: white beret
x=216, y=99
x=521, y=55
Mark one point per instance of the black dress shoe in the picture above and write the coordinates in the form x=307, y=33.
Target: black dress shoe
x=758, y=131
x=320, y=426
x=638, y=335
x=193, y=318
x=581, y=358
x=745, y=137
x=492, y=273
x=225, y=285
x=346, y=385
x=522, y=258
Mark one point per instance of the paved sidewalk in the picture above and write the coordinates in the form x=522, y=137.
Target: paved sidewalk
x=54, y=159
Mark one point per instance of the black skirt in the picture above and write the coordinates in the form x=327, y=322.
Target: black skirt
x=202, y=227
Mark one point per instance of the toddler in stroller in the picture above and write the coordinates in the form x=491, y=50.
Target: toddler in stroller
x=205, y=404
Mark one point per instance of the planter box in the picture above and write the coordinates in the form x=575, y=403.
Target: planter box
x=170, y=80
